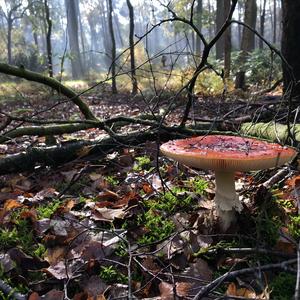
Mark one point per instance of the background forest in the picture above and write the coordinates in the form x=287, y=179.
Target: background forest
x=90, y=208
x=78, y=40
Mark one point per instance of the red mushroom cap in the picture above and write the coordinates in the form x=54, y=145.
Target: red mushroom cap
x=228, y=153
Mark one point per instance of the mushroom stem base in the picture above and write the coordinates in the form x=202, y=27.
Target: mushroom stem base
x=226, y=198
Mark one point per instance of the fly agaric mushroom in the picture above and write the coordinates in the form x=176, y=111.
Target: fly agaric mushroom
x=225, y=155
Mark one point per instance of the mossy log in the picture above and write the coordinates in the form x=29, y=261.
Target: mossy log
x=273, y=131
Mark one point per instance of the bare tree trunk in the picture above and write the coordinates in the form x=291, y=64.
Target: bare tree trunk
x=240, y=14
x=82, y=38
x=210, y=28
x=48, y=38
x=131, y=45
x=9, y=32
x=248, y=41
x=199, y=26
x=105, y=32
x=72, y=17
x=262, y=22
x=274, y=22
x=113, y=47
x=227, y=42
x=219, y=22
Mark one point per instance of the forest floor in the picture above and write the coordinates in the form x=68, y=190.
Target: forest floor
x=136, y=225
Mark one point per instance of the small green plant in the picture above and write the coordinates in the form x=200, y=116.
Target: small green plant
x=21, y=235
x=283, y=286
x=294, y=226
x=198, y=185
x=141, y=163
x=267, y=229
x=157, y=227
x=8, y=238
x=45, y=211
x=40, y=250
x=112, y=180
x=111, y=275
x=175, y=199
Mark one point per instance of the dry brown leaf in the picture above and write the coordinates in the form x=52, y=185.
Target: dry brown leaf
x=95, y=176
x=285, y=242
x=94, y=250
x=106, y=196
x=199, y=269
x=45, y=194
x=151, y=265
x=147, y=188
x=54, y=255
x=233, y=290
x=34, y=296
x=95, y=288
x=54, y=295
x=8, y=206
x=107, y=214
x=167, y=291
x=84, y=151
x=58, y=271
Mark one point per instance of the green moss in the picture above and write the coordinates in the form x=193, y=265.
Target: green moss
x=283, y=286
x=46, y=211
x=157, y=227
x=141, y=163
x=111, y=275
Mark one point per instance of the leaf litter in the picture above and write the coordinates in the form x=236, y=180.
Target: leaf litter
x=117, y=231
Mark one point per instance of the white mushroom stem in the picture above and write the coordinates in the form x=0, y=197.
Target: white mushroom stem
x=226, y=198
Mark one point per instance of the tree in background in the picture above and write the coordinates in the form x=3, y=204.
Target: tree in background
x=131, y=45
x=199, y=16
x=290, y=45
x=227, y=42
x=262, y=22
x=113, y=47
x=72, y=19
x=11, y=11
x=48, y=37
x=248, y=41
x=220, y=19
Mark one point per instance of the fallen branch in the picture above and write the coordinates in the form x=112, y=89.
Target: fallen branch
x=233, y=274
x=21, y=72
x=279, y=176
x=270, y=89
x=65, y=126
x=57, y=155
